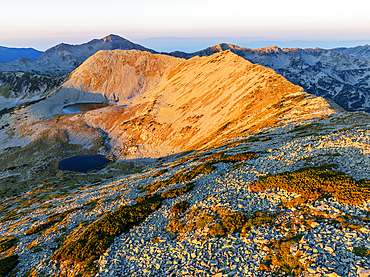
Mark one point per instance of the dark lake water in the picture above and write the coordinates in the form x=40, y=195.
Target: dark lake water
x=84, y=163
x=83, y=107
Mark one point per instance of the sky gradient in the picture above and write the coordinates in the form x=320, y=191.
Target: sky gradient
x=42, y=24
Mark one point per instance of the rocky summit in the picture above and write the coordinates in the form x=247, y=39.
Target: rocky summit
x=214, y=166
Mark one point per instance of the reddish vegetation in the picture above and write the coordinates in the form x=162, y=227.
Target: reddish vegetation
x=316, y=182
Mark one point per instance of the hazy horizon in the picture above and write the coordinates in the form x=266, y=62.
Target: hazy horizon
x=191, y=44
x=42, y=24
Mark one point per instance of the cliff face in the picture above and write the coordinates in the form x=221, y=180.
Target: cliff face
x=167, y=105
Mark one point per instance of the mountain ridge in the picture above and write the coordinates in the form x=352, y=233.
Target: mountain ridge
x=64, y=58
x=341, y=78
x=337, y=76
x=167, y=104
x=361, y=51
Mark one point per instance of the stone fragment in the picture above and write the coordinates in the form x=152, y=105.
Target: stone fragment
x=363, y=272
x=329, y=249
x=314, y=224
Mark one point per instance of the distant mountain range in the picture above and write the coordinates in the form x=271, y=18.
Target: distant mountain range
x=8, y=54
x=64, y=58
x=341, y=74
x=358, y=51
x=192, y=44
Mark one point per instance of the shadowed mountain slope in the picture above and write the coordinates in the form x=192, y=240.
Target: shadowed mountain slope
x=361, y=51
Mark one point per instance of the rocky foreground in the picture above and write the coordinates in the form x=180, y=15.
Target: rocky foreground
x=219, y=167
x=225, y=226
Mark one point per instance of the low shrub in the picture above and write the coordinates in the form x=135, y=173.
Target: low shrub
x=217, y=230
x=250, y=139
x=220, y=223
x=51, y=221
x=8, y=264
x=7, y=243
x=258, y=219
x=175, y=225
x=98, y=236
x=38, y=228
x=238, y=157
x=343, y=130
x=180, y=207
x=208, y=167
x=234, y=222
x=168, y=194
x=211, y=157
x=361, y=251
x=203, y=221
x=160, y=173
x=173, y=193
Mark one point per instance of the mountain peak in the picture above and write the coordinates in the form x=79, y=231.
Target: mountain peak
x=113, y=38
x=64, y=58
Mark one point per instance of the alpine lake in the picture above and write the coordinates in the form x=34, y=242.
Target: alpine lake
x=83, y=163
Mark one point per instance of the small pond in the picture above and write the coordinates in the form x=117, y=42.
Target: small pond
x=84, y=163
x=83, y=107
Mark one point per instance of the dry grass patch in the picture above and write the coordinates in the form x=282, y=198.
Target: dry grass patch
x=315, y=182
x=53, y=219
x=280, y=260
x=180, y=177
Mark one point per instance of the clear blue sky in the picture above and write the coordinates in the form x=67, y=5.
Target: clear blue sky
x=44, y=23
